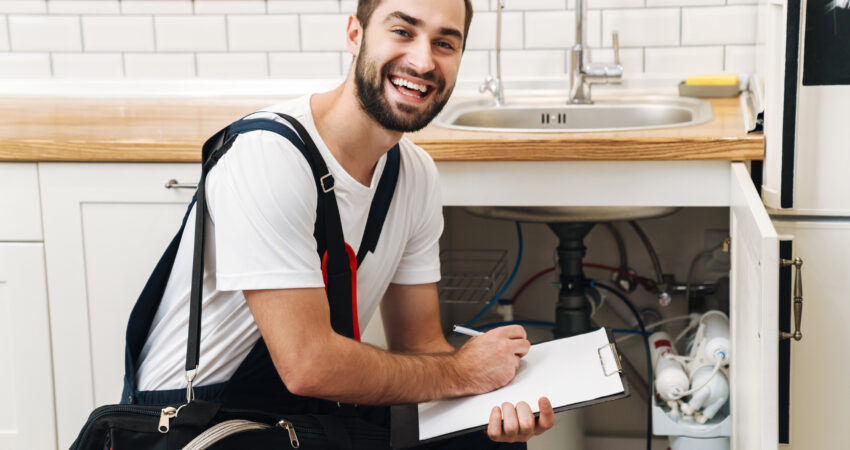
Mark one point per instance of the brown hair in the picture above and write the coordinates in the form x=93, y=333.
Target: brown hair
x=365, y=8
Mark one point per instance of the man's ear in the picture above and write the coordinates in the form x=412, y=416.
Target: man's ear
x=353, y=35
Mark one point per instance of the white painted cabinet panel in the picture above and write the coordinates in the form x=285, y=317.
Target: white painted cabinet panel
x=820, y=362
x=27, y=419
x=105, y=227
x=20, y=216
x=754, y=318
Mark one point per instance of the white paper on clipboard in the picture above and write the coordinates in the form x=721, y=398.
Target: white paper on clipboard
x=567, y=371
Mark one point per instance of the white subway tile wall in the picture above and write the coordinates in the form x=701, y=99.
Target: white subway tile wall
x=298, y=39
x=4, y=35
x=88, y=65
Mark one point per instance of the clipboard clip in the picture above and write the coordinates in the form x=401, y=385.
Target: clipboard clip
x=614, y=355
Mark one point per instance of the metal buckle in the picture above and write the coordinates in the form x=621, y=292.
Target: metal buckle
x=326, y=189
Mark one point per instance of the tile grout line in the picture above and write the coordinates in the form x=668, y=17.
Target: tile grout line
x=82, y=38
x=681, y=26
x=8, y=31
x=155, y=43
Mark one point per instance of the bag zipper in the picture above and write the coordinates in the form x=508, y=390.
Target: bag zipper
x=289, y=427
x=137, y=410
x=165, y=417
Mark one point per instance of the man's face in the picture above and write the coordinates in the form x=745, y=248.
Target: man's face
x=408, y=61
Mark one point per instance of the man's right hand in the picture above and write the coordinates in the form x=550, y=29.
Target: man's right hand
x=491, y=360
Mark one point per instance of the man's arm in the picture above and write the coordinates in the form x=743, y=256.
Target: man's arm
x=411, y=316
x=313, y=360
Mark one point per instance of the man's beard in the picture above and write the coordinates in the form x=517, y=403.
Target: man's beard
x=369, y=82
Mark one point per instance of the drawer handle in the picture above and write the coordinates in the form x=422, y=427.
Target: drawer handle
x=798, y=299
x=174, y=184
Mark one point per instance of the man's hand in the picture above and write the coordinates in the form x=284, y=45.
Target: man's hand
x=491, y=360
x=518, y=424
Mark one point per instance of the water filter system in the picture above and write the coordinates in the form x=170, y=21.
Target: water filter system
x=670, y=376
x=692, y=389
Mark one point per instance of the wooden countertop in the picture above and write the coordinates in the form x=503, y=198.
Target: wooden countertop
x=173, y=130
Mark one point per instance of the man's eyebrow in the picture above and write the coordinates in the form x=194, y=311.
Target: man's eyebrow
x=402, y=16
x=416, y=22
x=451, y=32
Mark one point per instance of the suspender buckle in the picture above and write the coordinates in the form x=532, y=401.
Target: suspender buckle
x=190, y=377
x=327, y=182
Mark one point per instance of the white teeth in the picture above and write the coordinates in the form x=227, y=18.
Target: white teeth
x=410, y=85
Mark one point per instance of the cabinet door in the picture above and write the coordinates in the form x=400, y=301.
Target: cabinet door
x=754, y=317
x=20, y=219
x=105, y=227
x=26, y=378
x=819, y=363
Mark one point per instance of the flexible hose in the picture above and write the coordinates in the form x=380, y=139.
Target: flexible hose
x=634, y=311
x=507, y=283
x=621, y=245
x=656, y=265
x=531, y=323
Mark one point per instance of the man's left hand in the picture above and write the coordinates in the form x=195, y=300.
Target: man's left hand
x=517, y=423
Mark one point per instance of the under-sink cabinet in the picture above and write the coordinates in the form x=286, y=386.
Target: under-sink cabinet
x=105, y=226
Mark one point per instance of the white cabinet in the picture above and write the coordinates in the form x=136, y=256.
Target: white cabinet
x=105, y=227
x=27, y=419
x=754, y=318
x=819, y=363
x=20, y=216
x=754, y=250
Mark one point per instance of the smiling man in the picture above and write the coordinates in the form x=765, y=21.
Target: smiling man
x=267, y=340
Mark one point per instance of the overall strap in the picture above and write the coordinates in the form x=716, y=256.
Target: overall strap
x=328, y=229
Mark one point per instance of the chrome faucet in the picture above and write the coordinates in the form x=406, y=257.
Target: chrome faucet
x=493, y=84
x=582, y=75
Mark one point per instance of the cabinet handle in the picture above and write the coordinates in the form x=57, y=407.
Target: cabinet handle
x=798, y=298
x=174, y=184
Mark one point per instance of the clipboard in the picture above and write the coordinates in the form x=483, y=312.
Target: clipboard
x=405, y=429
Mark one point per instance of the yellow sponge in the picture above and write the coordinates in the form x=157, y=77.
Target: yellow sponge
x=712, y=80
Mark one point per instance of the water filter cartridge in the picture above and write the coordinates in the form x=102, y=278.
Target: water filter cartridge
x=711, y=397
x=718, y=346
x=670, y=376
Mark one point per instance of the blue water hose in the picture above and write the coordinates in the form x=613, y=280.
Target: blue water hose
x=530, y=323
x=507, y=283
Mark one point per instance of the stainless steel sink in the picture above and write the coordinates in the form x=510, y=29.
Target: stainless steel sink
x=554, y=115
x=560, y=214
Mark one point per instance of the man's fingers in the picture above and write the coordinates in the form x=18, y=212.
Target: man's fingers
x=547, y=416
x=521, y=347
x=510, y=425
x=526, y=420
x=494, y=429
x=510, y=332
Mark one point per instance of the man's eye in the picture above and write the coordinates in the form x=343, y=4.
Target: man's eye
x=402, y=33
x=445, y=45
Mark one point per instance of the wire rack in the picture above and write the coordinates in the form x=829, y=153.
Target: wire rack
x=471, y=276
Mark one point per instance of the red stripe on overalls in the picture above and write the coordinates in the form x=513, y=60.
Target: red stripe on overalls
x=352, y=263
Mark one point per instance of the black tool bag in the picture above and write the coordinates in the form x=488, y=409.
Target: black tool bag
x=198, y=424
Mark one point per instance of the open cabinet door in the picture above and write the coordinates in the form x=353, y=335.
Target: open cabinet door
x=754, y=318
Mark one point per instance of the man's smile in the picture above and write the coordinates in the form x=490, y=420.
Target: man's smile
x=411, y=90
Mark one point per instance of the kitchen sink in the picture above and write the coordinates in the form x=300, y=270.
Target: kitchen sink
x=561, y=214
x=541, y=115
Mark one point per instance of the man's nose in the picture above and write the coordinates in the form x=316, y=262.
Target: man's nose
x=421, y=57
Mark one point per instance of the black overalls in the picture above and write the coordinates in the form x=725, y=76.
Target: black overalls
x=256, y=384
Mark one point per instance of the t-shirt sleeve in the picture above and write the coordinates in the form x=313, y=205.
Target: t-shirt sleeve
x=262, y=201
x=420, y=261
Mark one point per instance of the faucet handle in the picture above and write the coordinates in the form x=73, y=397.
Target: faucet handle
x=487, y=85
x=615, y=38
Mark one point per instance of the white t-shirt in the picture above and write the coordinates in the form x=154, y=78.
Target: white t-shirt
x=262, y=209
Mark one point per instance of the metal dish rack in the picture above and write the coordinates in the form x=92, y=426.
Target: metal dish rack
x=471, y=276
